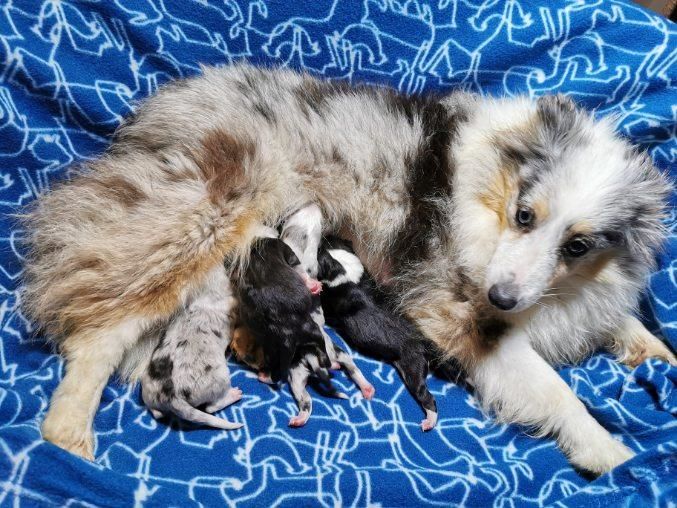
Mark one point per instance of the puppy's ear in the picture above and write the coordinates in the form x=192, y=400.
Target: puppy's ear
x=288, y=255
x=334, y=242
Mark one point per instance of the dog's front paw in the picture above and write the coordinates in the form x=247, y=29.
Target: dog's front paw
x=601, y=457
x=69, y=436
x=651, y=347
x=634, y=344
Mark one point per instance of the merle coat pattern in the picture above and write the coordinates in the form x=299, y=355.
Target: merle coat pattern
x=188, y=368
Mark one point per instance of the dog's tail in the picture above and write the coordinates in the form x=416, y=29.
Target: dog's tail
x=181, y=408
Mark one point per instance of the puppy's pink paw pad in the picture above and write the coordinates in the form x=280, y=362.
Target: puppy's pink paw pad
x=427, y=425
x=299, y=420
x=430, y=421
x=235, y=394
x=368, y=392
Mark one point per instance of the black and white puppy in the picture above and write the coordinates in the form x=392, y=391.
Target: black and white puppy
x=302, y=232
x=360, y=314
x=276, y=302
x=188, y=368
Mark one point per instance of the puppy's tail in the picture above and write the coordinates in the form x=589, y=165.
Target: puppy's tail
x=181, y=408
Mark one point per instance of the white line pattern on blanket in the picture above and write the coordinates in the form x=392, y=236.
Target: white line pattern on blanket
x=72, y=69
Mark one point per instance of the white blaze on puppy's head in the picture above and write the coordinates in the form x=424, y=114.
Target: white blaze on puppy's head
x=351, y=264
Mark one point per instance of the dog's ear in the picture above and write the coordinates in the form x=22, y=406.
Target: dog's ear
x=558, y=117
x=557, y=103
x=644, y=207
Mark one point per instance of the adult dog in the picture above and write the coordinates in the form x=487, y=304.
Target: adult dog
x=515, y=233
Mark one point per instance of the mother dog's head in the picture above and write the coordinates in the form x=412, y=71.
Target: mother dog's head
x=550, y=199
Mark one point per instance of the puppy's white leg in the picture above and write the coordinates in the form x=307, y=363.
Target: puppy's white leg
x=346, y=362
x=231, y=396
x=89, y=364
x=298, y=379
x=633, y=343
x=521, y=387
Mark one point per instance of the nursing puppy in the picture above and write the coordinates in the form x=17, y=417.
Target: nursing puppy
x=350, y=304
x=275, y=302
x=521, y=231
x=188, y=367
x=302, y=232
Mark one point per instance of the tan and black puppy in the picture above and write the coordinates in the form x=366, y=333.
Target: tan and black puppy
x=275, y=301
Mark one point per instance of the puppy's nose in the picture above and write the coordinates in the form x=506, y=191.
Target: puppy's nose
x=503, y=296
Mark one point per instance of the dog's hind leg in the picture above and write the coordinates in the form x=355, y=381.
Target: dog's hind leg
x=633, y=343
x=133, y=235
x=91, y=358
x=521, y=387
x=414, y=371
x=348, y=364
x=298, y=380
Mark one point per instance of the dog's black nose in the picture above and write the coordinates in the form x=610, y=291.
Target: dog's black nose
x=503, y=296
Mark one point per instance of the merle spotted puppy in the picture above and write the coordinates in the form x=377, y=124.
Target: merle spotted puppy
x=275, y=299
x=188, y=368
x=361, y=315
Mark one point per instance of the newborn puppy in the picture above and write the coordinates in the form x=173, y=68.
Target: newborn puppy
x=361, y=316
x=302, y=232
x=188, y=368
x=275, y=302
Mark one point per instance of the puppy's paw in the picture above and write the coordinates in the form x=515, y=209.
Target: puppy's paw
x=69, y=436
x=234, y=394
x=601, y=456
x=265, y=378
x=368, y=391
x=430, y=421
x=300, y=419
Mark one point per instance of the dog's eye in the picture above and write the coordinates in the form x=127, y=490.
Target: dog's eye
x=525, y=217
x=576, y=248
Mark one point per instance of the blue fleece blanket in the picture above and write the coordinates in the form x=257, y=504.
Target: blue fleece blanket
x=71, y=69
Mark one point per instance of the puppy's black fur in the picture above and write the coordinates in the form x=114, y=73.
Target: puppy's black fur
x=276, y=305
x=361, y=314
